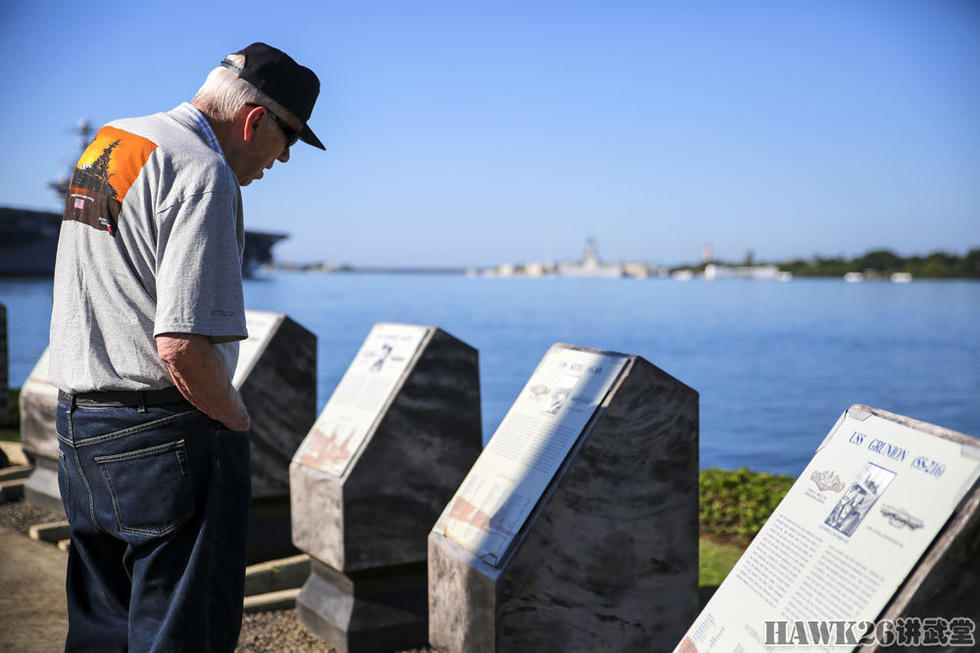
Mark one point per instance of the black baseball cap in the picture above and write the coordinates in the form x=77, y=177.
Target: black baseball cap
x=274, y=72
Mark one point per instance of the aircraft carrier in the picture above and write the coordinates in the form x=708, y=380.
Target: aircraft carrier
x=29, y=241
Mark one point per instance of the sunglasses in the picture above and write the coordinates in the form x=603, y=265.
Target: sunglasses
x=291, y=134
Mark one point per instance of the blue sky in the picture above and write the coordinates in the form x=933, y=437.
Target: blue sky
x=465, y=133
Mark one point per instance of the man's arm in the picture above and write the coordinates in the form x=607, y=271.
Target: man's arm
x=199, y=373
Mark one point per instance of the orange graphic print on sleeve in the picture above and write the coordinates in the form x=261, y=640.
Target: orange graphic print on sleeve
x=103, y=176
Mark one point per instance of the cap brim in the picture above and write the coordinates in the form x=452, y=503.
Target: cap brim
x=308, y=137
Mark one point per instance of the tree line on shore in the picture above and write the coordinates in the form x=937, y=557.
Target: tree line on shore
x=937, y=265
x=883, y=262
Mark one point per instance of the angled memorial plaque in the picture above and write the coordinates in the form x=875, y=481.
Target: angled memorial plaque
x=384, y=456
x=276, y=376
x=577, y=528
x=355, y=405
x=881, y=527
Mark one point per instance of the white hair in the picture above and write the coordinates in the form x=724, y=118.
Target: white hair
x=224, y=93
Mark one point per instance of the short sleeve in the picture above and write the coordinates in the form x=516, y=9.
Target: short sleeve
x=199, y=268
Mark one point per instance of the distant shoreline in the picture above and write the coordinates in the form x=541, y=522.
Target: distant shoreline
x=872, y=266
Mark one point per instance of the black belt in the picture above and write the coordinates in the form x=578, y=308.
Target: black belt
x=123, y=397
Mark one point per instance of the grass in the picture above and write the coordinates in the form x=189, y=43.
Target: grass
x=715, y=561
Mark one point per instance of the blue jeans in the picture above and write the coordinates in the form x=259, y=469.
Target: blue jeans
x=158, y=505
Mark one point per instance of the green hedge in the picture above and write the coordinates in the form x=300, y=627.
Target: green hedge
x=735, y=504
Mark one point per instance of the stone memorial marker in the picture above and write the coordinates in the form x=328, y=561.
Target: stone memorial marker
x=4, y=370
x=276, y=376
x=390, y=447
x=879, y=534
x=577, y=528
x=38, y=409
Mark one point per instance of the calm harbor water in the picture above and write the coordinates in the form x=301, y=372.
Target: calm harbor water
x=774, y=363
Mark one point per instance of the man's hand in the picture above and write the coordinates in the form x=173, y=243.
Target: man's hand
x=198, y=372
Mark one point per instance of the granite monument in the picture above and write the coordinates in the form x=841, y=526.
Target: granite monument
x=384, y=456
x=577, y=529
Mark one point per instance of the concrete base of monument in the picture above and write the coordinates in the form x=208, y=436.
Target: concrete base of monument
x=369, y=611
x=42, y=486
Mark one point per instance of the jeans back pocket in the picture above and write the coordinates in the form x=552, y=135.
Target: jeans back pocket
x=151, y=488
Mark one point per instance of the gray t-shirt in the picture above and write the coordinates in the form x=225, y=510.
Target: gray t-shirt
x=151, y=243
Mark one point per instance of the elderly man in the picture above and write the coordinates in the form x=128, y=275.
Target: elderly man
x=148, y=311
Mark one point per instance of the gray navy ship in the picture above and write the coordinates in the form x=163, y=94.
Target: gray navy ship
x=29, y=238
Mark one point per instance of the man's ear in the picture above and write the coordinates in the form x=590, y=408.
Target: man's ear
x=252, y=122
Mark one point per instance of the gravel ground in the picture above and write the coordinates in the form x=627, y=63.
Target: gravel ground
x=280, y=631
x=20, y=515
x=277, y=631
